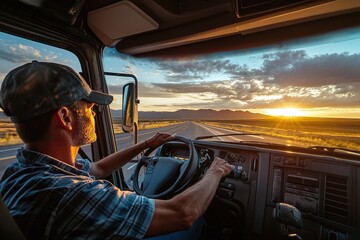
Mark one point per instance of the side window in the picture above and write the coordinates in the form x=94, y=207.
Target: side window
x=14, y=52
x=117, y=63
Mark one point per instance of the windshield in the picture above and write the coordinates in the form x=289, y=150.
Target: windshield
x=302, y=93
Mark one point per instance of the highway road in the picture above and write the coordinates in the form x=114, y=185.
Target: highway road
x=186, y=129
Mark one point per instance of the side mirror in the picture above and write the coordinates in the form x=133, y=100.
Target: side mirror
x=128, y=107
x=130, y=104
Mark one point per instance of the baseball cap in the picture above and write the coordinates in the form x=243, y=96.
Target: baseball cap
x=39, y=87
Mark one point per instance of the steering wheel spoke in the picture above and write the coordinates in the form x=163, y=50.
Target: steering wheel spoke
x=164, y=176
x=148, y=161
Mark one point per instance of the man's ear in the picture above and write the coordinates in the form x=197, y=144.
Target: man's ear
x=65, y=118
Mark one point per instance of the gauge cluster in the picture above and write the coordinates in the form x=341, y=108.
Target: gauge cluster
x=243, y=162
x=175, y=150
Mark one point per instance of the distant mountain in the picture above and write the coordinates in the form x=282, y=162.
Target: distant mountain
x=201, y=114
x=185, y=114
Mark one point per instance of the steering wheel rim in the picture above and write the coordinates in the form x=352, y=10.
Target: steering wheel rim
x=182, y=180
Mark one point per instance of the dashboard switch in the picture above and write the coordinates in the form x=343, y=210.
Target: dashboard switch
x=237, y=171
x=225, y=193
x=227, y=185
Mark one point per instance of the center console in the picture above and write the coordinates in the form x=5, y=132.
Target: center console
x=321, y=190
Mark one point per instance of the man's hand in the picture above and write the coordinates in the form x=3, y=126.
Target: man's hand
x=219, y=167
x=158, y=139
x=182, y=210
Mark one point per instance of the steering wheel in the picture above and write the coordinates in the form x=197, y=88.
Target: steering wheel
x=165, y=176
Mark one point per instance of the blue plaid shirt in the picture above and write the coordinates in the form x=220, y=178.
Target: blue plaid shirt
x=53, y=200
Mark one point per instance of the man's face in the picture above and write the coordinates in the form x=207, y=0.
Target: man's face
x=84, y=130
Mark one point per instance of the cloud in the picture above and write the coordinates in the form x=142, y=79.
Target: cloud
x=329, y=69
x=226, y=89
x=153, y=91
x=115, y=89
x=19, y=53
x=193, y=69
x=286, y=67
x=284, y=78
x=274, y=63
x=145, y=90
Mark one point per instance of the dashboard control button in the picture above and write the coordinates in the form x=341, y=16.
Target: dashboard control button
x=227, y=185
x=225, y=193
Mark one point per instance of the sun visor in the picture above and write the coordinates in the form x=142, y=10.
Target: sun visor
x=122, y=19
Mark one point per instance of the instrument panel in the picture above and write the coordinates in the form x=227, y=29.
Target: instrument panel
x=243, y=162
x=321, y=187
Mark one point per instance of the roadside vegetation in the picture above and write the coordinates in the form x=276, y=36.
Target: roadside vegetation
x=147, y=125
x=340, y=133
x=8, y=133
x=9, y=136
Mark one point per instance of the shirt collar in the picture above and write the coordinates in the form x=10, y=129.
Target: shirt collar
x=29, y=156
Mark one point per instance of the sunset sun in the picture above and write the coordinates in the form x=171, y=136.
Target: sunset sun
x=286, y=112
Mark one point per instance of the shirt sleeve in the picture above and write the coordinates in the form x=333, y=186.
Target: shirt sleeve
x=99, y=210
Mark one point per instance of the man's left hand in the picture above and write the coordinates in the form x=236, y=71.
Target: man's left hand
x=159, y=139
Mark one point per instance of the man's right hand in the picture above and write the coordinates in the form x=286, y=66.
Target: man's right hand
x=219, y=167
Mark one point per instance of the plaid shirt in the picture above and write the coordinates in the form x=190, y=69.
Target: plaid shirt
x=53, y=200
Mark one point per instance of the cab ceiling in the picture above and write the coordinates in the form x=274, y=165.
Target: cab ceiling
x=139, y=27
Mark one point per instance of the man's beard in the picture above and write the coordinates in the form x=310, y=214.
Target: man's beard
x=85, y=131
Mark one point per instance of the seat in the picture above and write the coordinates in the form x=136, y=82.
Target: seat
x=8, y=227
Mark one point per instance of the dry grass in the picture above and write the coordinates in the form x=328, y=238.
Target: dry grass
x=9, y=136
x=146, y=125
x=8, y=133
x=157, y=124
x=341, y=133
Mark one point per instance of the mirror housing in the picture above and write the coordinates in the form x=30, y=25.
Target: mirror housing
x=129, y=107
x=130, y=103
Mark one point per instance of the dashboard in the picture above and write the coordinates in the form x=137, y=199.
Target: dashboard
x=322, y=187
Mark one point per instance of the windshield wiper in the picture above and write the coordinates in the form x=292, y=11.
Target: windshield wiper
x=334, y=149
x=225, y=135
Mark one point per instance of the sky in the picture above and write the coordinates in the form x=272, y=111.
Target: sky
x=318, y=77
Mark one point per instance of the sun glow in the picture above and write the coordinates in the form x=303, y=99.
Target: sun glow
x=286, y=112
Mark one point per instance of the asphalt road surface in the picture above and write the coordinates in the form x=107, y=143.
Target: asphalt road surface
x=186, y=129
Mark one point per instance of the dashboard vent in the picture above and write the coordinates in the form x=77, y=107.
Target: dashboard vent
x=336, y=205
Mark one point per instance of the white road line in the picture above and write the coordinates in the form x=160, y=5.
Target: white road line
x=232, y=131
x=254, y=136
x=9, y=149
x=131, y=166
x=213, y=132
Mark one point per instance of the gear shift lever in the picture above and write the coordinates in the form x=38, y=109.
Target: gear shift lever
x=288, y=215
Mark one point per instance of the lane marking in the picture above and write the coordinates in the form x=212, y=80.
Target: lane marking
x=213, y=132
x=231, y=131
x=256, y=136
x=131, y=166
x=9, y=149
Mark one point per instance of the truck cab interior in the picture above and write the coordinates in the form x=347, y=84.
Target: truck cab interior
x=276, y=191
